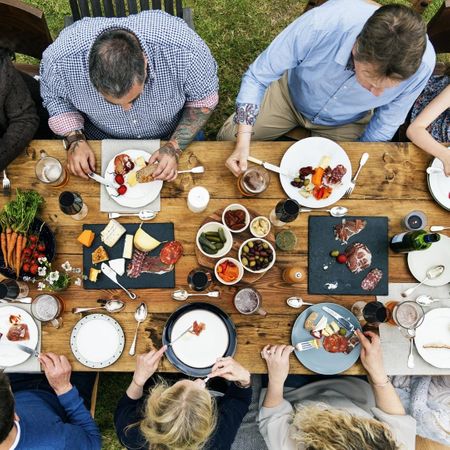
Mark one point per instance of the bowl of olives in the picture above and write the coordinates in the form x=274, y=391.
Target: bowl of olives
x=257, y=255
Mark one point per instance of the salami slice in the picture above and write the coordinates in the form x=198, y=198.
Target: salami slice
x=335, y=343
x=372, y=279
x=171, y=252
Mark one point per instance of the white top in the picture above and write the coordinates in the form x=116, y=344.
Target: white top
x=350, y=394
x=16, y=441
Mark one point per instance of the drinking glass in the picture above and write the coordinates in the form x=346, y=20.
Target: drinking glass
x=375, y=313
x=11, y=289
x=408, y=315
x=50, y=171
x=199, y=279
x=72, y=204
x=254, y=181
x=284, y=212
x=48, y=308
x=248, y=301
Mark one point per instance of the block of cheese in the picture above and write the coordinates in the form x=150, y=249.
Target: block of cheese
x=93, y=274
x=128, y=247
x=144, y=242
x=99, y=255
x=131, y=179
x=112, y=233
x=140, y=162
x=86, y=238
x=118, y=265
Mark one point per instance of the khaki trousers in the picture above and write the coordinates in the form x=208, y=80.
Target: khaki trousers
x=278, y=116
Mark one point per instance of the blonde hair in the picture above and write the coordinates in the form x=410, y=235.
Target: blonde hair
x=318, y=428
x=178, y=417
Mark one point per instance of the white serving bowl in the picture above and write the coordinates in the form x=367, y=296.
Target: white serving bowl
x=234, y=207
x=214, y=226
x=257, y=219
x=238, y=265
x=261, y=270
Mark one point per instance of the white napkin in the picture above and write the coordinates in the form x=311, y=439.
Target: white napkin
x=112, y=147
x=395, y=345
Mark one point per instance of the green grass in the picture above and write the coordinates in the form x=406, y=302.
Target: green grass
x=236, y=31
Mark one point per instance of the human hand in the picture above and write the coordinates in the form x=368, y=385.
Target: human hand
x=445, y=158
x=277, y=360
x=237, y=161
x=146, y=365
x=81, y=159
x=167, y=158
x=57, y=370
x=231, y=370
x=371, y=356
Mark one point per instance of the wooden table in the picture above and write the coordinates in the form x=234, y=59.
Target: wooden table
x=392, y=183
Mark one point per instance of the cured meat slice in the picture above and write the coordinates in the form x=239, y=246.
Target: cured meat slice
x=348, y=228
x=18, y=332
x=372, y=279
x=335, y=343
x=171, y=252
x=353, y=342
x=197, y=328
x=123, y=164
x=358, y=256
x=141, y=263
x=334, y=176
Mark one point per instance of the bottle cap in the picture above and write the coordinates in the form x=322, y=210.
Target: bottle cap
x=434, y=237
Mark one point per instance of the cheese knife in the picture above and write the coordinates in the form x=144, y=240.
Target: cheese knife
x=268, y=166
x=96, y=177
x=112, y=275
x=342, y=321
x=24, y=348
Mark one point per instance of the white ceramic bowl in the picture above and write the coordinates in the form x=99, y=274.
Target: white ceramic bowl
x=214, y=226
x=265, y=220
x=261, y=270
x=233, y=207
x=238, y=265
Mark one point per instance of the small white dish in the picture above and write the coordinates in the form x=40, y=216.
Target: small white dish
x=214, y=226
x=261, y=270
x=236, y=263
x=253, y=223
x=234, y=207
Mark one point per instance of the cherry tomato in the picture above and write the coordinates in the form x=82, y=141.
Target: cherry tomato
x=34, y=269
x=41, y=247
x=341, y=259
x=35, y=254
x=41, y=255
x=33, y=238
x=32, y=246
x=119, y=179
x=27, y=252
x=33, y=261
x=122, y=189
x=26, y=267
x=26, y=260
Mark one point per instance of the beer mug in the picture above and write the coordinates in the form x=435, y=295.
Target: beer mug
x=48, y=308
x=50, y=171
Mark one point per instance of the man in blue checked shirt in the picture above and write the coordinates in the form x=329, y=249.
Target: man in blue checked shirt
x=347, y=70
x=144, y=76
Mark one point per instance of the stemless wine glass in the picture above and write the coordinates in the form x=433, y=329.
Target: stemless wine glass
x=284, y=212
x=375, y=313
x=49, y=170
x=254, y=181
x=72, y=204
x=199, y=279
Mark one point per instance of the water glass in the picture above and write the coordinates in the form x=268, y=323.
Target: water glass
x=248, y=301
x=199, y=279
x=72, y=204
x=408, y=315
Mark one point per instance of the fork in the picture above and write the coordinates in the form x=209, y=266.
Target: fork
x=351, y=187
x=6, y=184
x=307, y=345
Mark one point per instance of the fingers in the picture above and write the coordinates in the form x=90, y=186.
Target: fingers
x=233, y=166
x=154, y=157
x=364, y=341
x=243, y=164
x=91, y=162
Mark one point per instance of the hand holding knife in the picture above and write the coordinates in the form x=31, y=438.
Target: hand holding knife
x=268, y=166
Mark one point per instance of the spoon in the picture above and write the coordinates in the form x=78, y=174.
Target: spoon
x=435, y=228
x=335, y=211
x=412, y=335
x=181, y=294
x=140, y=315
x=432, y=273
x=198, y=169
x=431, y=170
x=110, y=306
x=296, y=302
x=426, y=300
x=144, y=214
x=26, y=300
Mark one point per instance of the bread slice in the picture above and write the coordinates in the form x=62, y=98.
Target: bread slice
x=310, y=321
x=145, y=175
x=99, y=255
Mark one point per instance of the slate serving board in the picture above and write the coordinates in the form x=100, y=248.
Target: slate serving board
x=160, y=231
x=322, y=241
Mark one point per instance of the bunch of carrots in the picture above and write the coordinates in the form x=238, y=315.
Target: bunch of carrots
x=16, y=218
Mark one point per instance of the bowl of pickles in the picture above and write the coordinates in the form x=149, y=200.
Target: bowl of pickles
x=214, y=239
x=257, y=255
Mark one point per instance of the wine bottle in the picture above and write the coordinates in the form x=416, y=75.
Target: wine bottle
x=413, y=240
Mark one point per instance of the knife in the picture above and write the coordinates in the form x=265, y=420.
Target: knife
x=102, y=180
x=24, y=348
x=112, y=275
x=342, y=321
x=268, y=166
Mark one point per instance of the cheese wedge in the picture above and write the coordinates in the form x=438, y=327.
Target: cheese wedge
x=144, y=242
x=118, y=265
x=93, y=274
x=131, y=179
x=140, y=162
x=86, y=238
x=99, y=255
x=128, y=247
x=112, y=233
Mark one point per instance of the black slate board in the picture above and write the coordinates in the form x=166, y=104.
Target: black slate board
x=160, y=231
x=322, y=241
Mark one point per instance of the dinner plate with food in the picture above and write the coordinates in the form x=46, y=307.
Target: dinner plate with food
x=323, y=172
x=196, y=335
x=439, y=184
x=131, y=179
x=16, y=327
x=433, y=338
x=324, y=338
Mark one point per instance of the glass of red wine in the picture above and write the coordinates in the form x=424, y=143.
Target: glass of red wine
x=375, y=313
x=199, y=279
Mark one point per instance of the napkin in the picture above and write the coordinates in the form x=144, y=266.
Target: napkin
x=32, y=364
x=395, y=345
x=112, y=147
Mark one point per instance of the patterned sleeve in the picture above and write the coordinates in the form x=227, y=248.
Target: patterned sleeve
x=246, y=113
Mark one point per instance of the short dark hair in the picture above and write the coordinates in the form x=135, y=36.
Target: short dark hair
x=393, y=40
x=6, y=407
x=116, y=62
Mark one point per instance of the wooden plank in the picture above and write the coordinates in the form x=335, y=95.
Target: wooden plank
x=96, y=8
x=168, y=7
x=120, y=8
x=144, y=5
x=179, y=8
x=108, y=8
x=156, y=4
x=132, y=7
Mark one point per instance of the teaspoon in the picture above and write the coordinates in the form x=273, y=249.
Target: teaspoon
x=144, y=214
x=335, y=211
x=181, y=294
x=432, y=273
x=110, y=306
x=435, y=228
x=198, y=169
x=426, y=300
x=296, y=302
x=140, y=315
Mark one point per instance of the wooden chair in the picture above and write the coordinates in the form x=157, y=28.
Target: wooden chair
x=94, y=395
x=106, y=8
x=23, y=29
x=427, y=444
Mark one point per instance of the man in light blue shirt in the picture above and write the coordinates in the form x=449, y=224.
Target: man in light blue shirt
x=347, y=70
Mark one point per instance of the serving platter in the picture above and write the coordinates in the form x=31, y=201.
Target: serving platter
x=439, y=185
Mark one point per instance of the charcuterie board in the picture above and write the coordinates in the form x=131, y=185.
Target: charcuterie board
x=326, y=275
x=238, y=239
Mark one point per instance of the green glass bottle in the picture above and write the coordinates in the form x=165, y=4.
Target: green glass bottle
x=413, y=240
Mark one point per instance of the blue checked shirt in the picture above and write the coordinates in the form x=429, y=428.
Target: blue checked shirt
x=181, y=72
x=315, y=50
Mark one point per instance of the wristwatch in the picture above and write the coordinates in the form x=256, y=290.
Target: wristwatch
x=77, y=136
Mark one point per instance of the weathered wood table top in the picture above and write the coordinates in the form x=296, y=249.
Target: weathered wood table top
x=392, y=183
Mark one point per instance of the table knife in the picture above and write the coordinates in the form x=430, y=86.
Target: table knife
x=96, y=177
x=342, y=321
x=24, y=348
x=268, y=166
x=112, y=275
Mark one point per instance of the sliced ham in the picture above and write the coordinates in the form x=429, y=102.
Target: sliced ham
x=142, y=263
x=348, y=228
x=18, y=332
x=334, y=176
x=372, y=279
x=358, y=256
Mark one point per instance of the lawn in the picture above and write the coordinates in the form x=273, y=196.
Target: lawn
x=236, y=32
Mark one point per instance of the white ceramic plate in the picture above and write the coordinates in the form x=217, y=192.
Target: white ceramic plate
x=203, y=350
x=9, y=355
x=435, y=329
x=97, y=341
x=139, y=195
x=439, y=185
x=309, y=152
x=422, y=260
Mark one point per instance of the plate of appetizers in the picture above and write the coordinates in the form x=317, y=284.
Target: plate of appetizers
x=323, y=343
x=439, y=184
x=196, y=335
x=433, y=338
x=131, y=179
x=16, y=327
x=323, y=172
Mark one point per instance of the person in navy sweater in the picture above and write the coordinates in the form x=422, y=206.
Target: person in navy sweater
x=50, y=412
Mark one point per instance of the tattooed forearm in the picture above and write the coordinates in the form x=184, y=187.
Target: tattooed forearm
x=191, y=122
x=169, y=149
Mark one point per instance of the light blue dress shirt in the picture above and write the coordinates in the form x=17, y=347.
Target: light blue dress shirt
x=315, y=50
